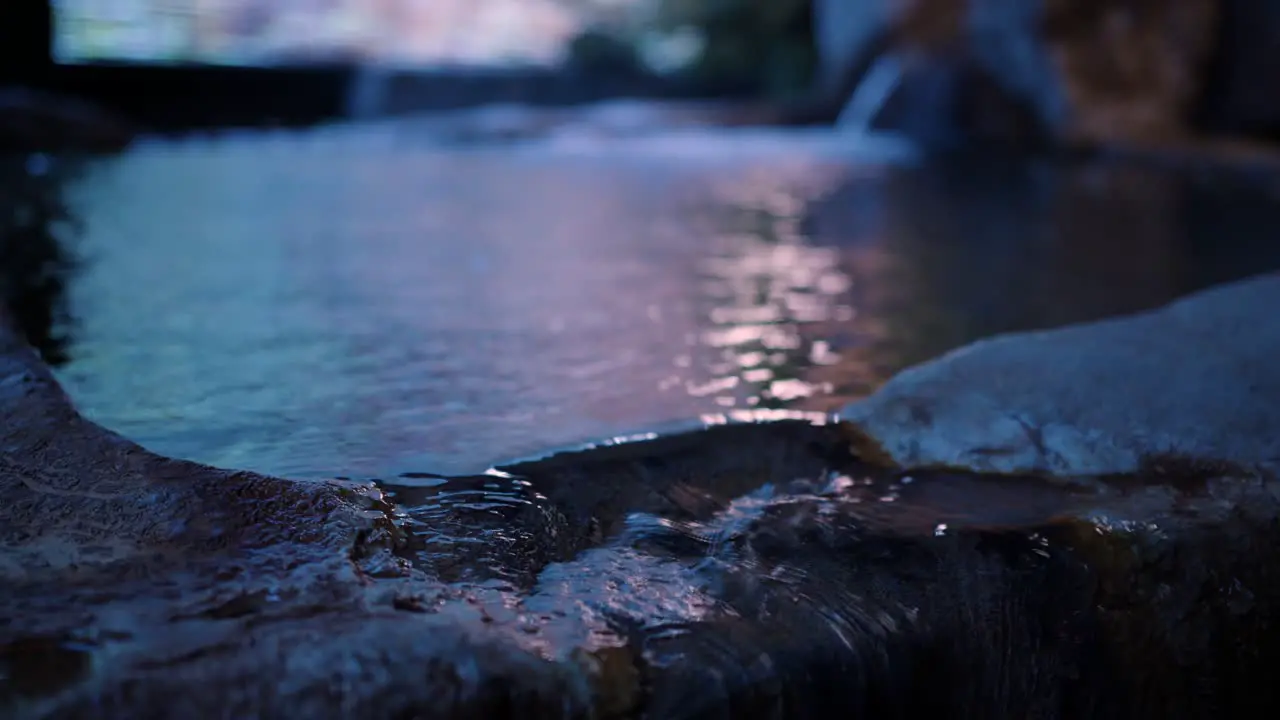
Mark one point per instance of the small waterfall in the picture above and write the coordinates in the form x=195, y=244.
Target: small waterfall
x=870, y=95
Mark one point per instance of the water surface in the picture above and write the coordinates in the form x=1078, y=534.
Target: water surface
x=366, y=302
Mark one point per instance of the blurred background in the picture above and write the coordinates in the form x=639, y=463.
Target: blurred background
x=660, y=36
x=382, y=238
x=402, y=32
x=296, y=61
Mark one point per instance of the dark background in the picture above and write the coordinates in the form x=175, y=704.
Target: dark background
x=179, y=97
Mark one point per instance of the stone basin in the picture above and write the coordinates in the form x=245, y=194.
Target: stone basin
x=790, y=568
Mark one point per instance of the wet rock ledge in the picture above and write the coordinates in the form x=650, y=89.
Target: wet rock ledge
x=796, y=568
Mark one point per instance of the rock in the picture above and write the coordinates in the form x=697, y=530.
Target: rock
x=1196, y=379
x=34, y=121
x=152, y=587
x=754, y=570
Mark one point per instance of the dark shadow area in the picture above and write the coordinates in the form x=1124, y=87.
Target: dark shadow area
x=172, y=97
x=950, y=253
x=303, y=91
x=176, y=98
x=1233, y=101
x=36, y=250
x=761, y=571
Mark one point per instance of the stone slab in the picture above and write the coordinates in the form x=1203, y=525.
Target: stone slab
x=1198, y=379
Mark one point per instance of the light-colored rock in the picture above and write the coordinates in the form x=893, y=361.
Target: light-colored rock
x=1197, y=379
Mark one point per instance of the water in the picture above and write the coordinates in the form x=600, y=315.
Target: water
x=376, y=303
x=368, y=301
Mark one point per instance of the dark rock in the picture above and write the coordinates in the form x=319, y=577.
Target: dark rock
x=1103, y=72
x=745, y=570
x=34, y=121
x=1196, y=378
x=37, y=253
x=1247, y=58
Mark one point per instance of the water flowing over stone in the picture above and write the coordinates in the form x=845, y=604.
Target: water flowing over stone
x=758, y=570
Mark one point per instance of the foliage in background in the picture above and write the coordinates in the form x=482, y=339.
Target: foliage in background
x=764, y=45
x=603, y=52
x=757, y=47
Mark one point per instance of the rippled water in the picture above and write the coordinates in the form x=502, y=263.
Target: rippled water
x=370, y=303
x=365, y=302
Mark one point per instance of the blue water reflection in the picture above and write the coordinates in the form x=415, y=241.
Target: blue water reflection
x=364, y=302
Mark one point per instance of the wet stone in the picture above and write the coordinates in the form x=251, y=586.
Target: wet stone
x=752, y=570
x=1193, y=381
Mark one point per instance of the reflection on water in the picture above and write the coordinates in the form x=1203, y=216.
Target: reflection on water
x=306, y=306
x=352, y=302
x=943, y=256
x=764, y=286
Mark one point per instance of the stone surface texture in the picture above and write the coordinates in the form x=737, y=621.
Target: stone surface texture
x=743, y=570
x=268, y=599
x=1196, y=379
